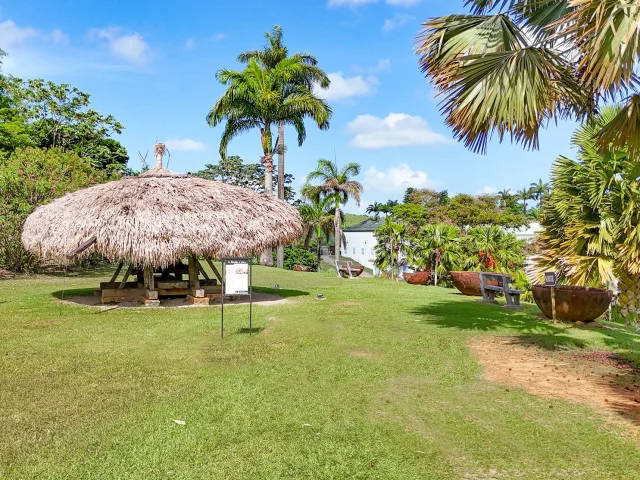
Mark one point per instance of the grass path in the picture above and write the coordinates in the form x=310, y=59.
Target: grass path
x=377, y=381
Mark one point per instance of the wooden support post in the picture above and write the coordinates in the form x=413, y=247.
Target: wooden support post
x=194, y=281
x=86, y=244
x=553, y=304
x=126, y=276
x=115, y=275
x=201, y=270
x=149, y=280
x=215, y=270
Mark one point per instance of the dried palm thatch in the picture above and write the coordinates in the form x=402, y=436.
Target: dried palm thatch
x=159, y=217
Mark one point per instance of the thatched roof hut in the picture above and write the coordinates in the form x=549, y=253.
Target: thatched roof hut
x=158, y=218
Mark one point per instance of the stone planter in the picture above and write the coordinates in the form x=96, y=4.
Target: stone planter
x=576, y=304
x=468, y=283
x=417, y=278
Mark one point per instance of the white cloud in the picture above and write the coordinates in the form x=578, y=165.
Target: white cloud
x=488, y=190
x=131, y=48
x=396, y=21
x=190, y=43
x=12, y=35
x=396, y=179
x=383, y=65
x=396, y=130
x=59, y=37
x=185, y=145
x=343, y=87
x=219, y=36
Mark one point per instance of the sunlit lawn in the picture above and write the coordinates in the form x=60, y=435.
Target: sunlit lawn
x=376, y=381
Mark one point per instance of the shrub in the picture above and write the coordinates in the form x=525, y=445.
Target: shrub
x=298, y=256
x=31, y=177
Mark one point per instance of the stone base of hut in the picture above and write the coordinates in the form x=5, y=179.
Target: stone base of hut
x=152, y=284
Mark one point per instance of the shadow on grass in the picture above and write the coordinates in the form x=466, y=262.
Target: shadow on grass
x=247, y=331
x=81, y=272
x=282, y=292
x=73, y=292
x=481, y=317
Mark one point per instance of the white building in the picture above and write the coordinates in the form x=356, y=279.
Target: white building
x=361, y=242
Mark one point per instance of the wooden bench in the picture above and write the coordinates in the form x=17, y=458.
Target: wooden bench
x=489, y=289
x=347, y=270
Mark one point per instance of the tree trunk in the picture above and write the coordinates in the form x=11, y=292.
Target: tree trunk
x=337, y=233
x=266, y=257
x=435, y=274
x=280, y=254
x=319, y=247
x=629, y=298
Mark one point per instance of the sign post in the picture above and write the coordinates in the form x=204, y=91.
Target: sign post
x=551, y=280
x=237, y=276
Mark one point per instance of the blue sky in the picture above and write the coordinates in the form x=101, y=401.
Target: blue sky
x=152, y=65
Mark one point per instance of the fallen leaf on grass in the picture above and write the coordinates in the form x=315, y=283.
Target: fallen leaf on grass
x=180, y=422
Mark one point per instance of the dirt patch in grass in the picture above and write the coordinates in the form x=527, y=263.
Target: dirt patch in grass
x=358, y=353
x=596, y=378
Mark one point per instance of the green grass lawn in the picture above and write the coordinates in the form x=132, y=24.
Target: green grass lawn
x=376, y=381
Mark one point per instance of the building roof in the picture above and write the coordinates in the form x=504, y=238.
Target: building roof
x=159, y=217
x=369, y=225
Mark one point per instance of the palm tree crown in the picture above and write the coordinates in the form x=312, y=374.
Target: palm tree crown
x=512, y=66
x=339, y=184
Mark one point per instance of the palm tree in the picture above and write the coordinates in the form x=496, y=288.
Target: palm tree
x=374, y=209
x=494, y=249
x=591, y=216
x=337, y=183
x=512, y=66
x=391, y=238
x=523, y=194
x=438, y=245
x=505, y=196
x=308, y=77
x=317, y=216
x=260, y=98
x=539, y=189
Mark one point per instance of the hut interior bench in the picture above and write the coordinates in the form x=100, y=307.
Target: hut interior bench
x=489, y=291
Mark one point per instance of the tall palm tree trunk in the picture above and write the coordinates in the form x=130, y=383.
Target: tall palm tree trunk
x=629, y=298
x=435, y=273
x=319, y=247
x=337, y=232
x=280, y=253
x=266, y=257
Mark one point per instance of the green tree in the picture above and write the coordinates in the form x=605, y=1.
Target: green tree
x=437, y=245
x=391, y=239
x=491, y=248
x=31, y=177
x=539, y=190
x=591, y=216
x=524, y=194
x=512, y=66
x=259, y=98
x=318, y=217
x=233, y=171
x=309, y=76
x=339, y=184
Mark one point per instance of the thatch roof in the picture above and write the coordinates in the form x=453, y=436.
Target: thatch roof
x=159, y=217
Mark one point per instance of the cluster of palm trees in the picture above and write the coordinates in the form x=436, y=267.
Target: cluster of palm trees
x=510, y=68
x=442, y=248
x=376, y=208
x=321, y=210
x=537, y=191
x=275, y=89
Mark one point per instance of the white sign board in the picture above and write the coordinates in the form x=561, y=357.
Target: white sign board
x=236, y=279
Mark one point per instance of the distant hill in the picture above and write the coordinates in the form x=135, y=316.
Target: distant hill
x=351, y=219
